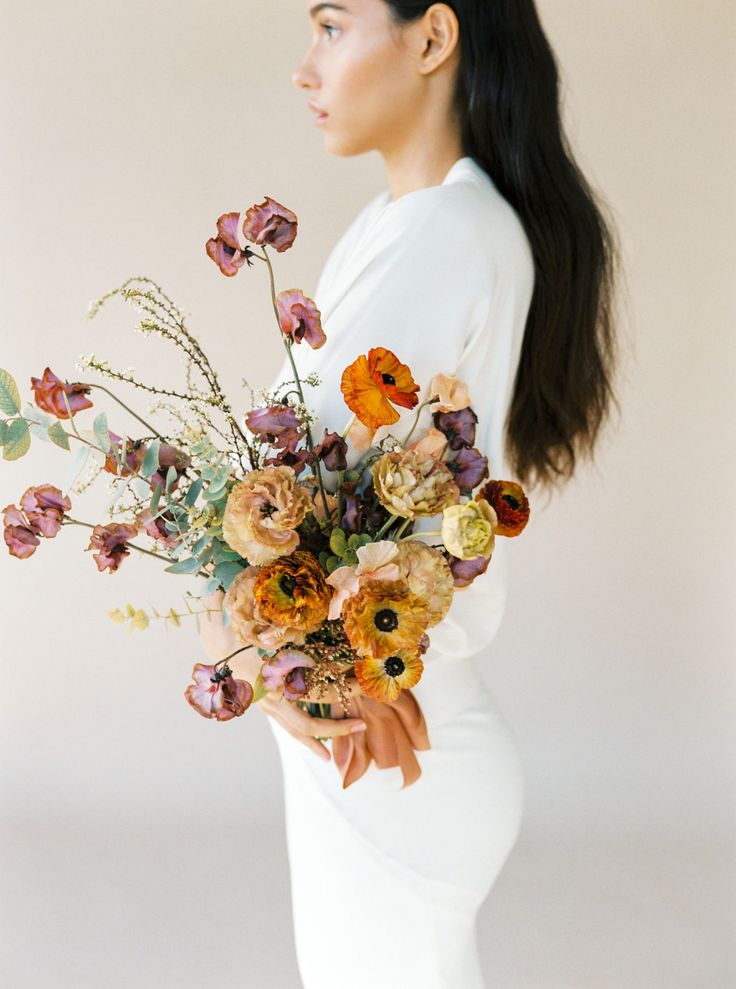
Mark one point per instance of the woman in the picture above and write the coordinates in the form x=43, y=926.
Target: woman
x=488, y=259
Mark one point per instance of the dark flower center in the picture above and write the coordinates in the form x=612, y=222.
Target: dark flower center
x=388, y=379
x=267, y=509
x=394, y=666
x=510, y=500
x=287, y=583
x=385, y=620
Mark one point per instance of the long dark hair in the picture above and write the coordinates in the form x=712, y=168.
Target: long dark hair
x=507, y=101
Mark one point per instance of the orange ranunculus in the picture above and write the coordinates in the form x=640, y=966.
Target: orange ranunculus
x=510, y=503
x=384, y=679
x=292, y=591
x=383, y=617
x=370, y=384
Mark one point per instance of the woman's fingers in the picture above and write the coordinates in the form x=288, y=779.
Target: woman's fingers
x=307, y=729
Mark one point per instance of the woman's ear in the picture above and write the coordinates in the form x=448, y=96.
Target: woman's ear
x=439, y=32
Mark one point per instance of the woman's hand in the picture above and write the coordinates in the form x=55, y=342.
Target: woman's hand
x=304, y=727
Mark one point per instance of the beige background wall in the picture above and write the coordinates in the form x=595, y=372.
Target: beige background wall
x=127, y=129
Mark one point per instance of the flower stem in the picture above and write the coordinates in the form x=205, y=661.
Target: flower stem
x=287, y=341
x=389, y=522
x=415, y=534
x=127, y=409
x=416, y=420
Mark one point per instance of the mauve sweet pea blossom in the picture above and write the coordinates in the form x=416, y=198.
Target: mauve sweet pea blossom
x=299, y=318
x=465, y=571
x=48, y=392
x=458, y=427
x=45, y=506
x=225, y=249
x=277, y=425
x=270, y=223
x=286, y=670
x=21, y=535
x=217, y=694
x=111, y=541
x=470, y=467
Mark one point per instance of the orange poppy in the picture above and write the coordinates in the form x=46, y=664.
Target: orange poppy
x=371, y=384
x=384, y=679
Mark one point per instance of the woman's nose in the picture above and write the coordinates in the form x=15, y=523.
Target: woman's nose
x=303, y=76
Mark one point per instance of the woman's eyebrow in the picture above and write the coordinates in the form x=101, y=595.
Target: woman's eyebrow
x=313, y=11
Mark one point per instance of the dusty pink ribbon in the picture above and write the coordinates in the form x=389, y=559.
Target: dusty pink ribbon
x=393, y=734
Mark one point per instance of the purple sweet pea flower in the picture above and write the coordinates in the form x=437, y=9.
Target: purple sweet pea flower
x=465, y=571
x=20, y=534
x=277, y=425
x=458, y=427
x=299, y=318
x=270, y=223
x=332, y=450
x=470, y=467
x=45, y=507
x=286, y=670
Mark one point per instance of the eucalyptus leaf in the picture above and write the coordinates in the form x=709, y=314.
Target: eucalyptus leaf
x=153, y=506
x=193, y=492
x=211, y=585
x=3, y=430
x=227, y=572
x=222, y=552
x=150, y=461
x=140, y=487
x=75, y=468
x=57, y=434
x=9, y=394
x=17, y=440
x=101, y=431
x=171, y=476
x=190, y=565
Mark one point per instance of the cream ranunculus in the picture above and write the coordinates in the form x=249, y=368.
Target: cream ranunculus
x=411, y=484
x=467, y=529
x=262, y=513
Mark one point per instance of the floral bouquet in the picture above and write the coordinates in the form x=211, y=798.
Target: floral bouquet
x=333, y=588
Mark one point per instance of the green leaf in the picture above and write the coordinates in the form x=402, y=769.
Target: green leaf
x=9, y=394
x=193, y=492
x=150, y=461
x=338, y=543
x=17, y=440
x=190, y=565
x=102, y=433
x=333, y=562
x=140, y=487
x=222, y=552
x=153, y=506
x=227, y=572
x=3, y=431
x=200, y=544
x=171, y=475
x=57, y=434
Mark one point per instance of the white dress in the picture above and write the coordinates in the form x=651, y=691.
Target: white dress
x=386, y=882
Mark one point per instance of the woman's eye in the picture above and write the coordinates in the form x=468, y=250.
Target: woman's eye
x=328, y=28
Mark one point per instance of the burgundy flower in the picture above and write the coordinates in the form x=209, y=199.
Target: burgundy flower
x=48, y=392
x=155, y=527
x=286, y=669
x=465, y=571
x=277, y=425
x=21, y=535
x=217, y=694
x=45, y=506
x=352, y=515
x=225, y=249
x=332, y=450
x=111, y=541
x=458, y=427
x=469, y=467
x=270, y=223
x=291, y=457
x=299, y=318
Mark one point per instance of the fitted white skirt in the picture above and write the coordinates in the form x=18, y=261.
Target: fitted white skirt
x=386, y=883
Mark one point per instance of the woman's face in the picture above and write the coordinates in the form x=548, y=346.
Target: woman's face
x=361, y=70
